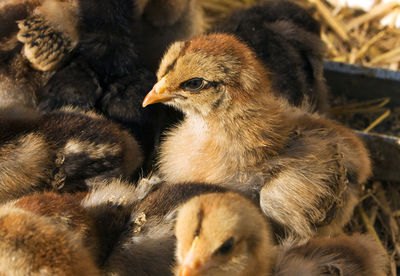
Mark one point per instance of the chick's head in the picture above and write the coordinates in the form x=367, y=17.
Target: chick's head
x=222, y=234
x=207, y=73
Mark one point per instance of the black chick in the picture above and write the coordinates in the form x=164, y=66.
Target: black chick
x=161, y=22
x=286, y=39
x=107, y=74
x=105, y=53
x=113, y=34
x=63, y=150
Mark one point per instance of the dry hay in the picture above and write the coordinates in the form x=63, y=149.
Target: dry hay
x=357, y=37
x=351, y=35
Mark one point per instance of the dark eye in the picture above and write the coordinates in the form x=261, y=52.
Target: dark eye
x=226, y=247
x=194, y=84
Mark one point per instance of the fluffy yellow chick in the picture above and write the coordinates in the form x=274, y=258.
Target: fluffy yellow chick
x=226, y=234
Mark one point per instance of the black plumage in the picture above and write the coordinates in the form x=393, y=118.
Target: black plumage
x=286, y=39
x=76, y=84
x=108, y=73
x=158, y=23
x=106, y=36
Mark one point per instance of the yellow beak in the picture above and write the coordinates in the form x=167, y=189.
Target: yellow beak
x=157, y=94
x=191, y=265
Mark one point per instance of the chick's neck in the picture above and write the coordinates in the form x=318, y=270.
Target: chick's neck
x=257, y=125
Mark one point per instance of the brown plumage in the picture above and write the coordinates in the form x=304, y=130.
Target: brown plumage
x=226, y=234
x=305, y=170
x=31, y=244
x=64, y=209
x=63, y=150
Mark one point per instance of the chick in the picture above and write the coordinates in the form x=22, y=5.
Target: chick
x=75, y=84
x=305, y=170
x=50, y=34
x=19, y=82
x=12, y=11
x=109, y=203
x=162, y=22
x=47, y=30
x=122, y=103
x=90, y=146
x=226, y=234
x=31, y=244
x=26, y=158
x=107, y=73
x=64, y=209
x=63, y=150
x=343, y=255
x=106, y=36
x=146, y=246
x=43, y=42
x=286, y=39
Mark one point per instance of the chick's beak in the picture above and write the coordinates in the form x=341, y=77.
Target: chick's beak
x=157, y=94
x=191, y=265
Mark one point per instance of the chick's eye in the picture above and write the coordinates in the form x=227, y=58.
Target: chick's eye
x=226, y=247
x=194, y=84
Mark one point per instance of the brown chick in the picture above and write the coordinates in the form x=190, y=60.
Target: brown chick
x=31, y=244
x=64, y=150
x=226, y=234
x=304, y=169
x=64, y=209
